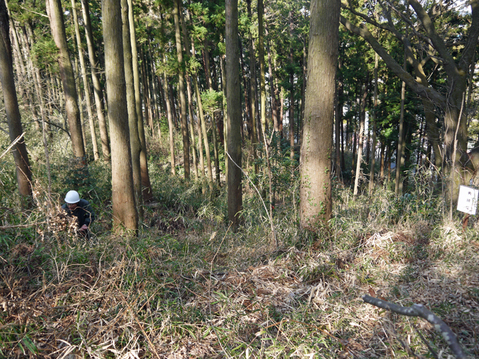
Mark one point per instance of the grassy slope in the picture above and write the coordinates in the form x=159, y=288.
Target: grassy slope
x=187, y=287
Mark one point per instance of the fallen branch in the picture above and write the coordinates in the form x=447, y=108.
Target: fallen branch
x=418, y=310
x=21, y=225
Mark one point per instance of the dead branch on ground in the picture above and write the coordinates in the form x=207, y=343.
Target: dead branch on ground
x=418, y=310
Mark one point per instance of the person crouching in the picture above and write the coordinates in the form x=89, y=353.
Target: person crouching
x=81, y=209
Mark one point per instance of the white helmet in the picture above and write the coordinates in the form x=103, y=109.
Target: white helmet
x=72, y=197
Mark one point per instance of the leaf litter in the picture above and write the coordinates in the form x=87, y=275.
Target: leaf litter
x=301, y=303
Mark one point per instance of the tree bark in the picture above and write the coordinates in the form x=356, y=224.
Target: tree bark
x=360, y=135
x=15, y=129
x=131, y=103
x=86, y=86
x=97, y=90
x=123, y=198
x=316, y=147
x=233, y=113
x=171, y=126
x=54, y=10
x=145, y=176
x=262, y=83
x=181, y=90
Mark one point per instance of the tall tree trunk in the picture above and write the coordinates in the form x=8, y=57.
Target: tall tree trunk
x=262, y=85
x=145, y=176
x=190, y=100
x=233, y=100
x=131, y=103
x=362, y=118
x=204, y=132
x=338, y=118
x=181, y=90
x=54, y=10
x=15, y=129
x=400, y=148
x=171, y=125
x=315, y=188
x=252, y=92
x=273, y=90
x=374, y=120
x=191, y=128
x=86, y=86
x=291, y=94
x=123, y=197
x=200, y=115
x=97, y=90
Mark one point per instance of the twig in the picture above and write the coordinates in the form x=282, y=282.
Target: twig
x=133, y=313
x=418, y=310
x=22, y=225
x=431, y=349
x=12, y=144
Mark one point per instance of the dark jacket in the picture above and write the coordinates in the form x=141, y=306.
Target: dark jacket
x=83, y=212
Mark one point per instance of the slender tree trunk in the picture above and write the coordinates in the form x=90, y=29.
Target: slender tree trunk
x=145, y=176
x=204, y=132
x=291, y=94
x=252, y=92
x=181, y=90
x=97, y=90
x=400, y=148
x=15, y=129
x=362, y=115
x=273, y=91
x=171, y=126
x=374, y=120
x=191, y=128
x=131, y=103
x=234, y=113
x=86, y=86
x=262, y=86
x=123, y=197
x=337, y=129
x=54, y=10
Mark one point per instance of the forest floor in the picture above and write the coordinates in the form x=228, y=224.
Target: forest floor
x=184, y=289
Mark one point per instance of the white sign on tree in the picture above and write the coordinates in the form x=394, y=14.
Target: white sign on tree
x=467, y=201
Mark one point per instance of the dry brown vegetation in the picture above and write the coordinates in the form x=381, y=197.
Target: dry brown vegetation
x=187, y=287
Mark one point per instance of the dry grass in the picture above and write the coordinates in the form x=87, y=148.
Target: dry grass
x=185, y=288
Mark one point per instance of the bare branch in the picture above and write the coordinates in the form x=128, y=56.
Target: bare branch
x=418, y=310
x=421, y=90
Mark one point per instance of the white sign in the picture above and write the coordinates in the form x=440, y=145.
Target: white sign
x=467, y=201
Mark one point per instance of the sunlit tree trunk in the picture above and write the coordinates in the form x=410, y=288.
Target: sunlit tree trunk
x=253, y=95
x=316, y=147
x=262, y=85
x=181, y=90
x=86, y=86
x=400, y=147
x=171, y=126
x=54, y=10
x=131, y=103
x=15, y=129
x=233, y=101
x=204, y=133
x=360, y=135
x=123, y=198
x=145, y=176
x=374, y=120
x=97, y=90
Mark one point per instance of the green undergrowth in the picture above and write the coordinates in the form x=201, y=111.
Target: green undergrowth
x=187, y=286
